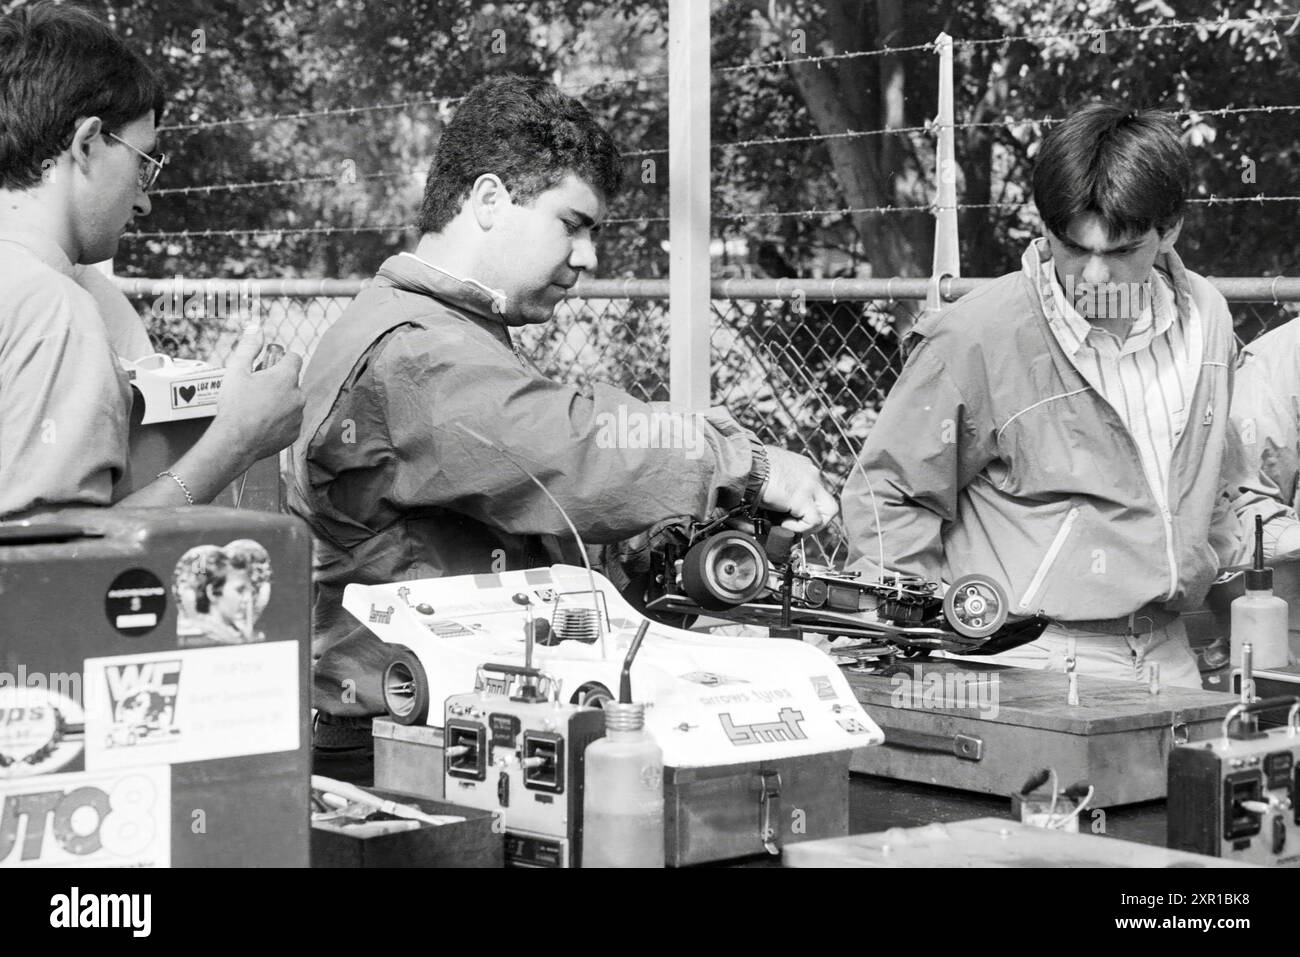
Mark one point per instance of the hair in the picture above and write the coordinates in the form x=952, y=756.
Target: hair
x=1127, y=167
x=211, y=571
x=59, y=64
x=526, y=132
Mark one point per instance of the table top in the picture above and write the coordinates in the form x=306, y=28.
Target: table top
x=988, y=842
x=1038, y=699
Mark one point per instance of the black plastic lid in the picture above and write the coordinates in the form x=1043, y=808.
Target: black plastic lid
x=1259, y=579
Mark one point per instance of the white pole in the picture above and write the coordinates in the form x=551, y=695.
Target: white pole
x=690, y=315
x=947, y=254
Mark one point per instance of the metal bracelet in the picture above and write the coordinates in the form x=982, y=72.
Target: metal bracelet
x=179, y=481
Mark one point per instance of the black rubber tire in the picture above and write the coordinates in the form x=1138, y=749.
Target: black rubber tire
x=700, y=579
x=993, y=611
x=406, y=687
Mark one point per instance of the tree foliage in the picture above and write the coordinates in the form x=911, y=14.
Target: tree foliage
x=229, y=59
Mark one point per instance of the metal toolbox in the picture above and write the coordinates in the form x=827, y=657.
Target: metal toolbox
x=408, y=758
x=476, y=841
x=710, y=814
x=154, y=673
x=1117, y=739
x=739, y=810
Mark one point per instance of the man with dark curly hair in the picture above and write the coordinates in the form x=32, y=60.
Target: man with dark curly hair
x=418, y=401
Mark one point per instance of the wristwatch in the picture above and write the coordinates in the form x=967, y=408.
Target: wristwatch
x=758, y=473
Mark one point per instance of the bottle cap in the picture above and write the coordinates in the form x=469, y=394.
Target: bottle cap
x=624, y=717
x=1259, y=579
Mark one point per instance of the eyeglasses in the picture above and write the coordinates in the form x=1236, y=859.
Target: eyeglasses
x=146, y=175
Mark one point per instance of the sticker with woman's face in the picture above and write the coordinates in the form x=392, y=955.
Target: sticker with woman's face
x=221, y=593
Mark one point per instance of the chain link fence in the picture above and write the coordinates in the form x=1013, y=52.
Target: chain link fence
x=806, y=374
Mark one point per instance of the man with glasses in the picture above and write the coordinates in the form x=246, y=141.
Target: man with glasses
x=77, y=140
x=148, y=170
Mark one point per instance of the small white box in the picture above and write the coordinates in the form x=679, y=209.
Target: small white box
x=173, y=390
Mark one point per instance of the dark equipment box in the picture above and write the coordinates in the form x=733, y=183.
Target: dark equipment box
x=1117, y=739
x=710, y=814
x=154, y=667
x=478, y=841
x=158, y=446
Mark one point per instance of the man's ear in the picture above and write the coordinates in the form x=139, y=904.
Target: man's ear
x=89, y=129
x=1170, y=236
x=488, y=199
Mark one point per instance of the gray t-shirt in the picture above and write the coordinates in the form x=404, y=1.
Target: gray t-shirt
x=64, y=400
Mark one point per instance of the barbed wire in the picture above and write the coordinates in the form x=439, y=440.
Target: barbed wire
x=1007, y=38
x=637, y=220
x=817, y=137
x=1211, y=200
x=379, y=107
x=819, y=60
x=1127, y=28
x=1052, y=120
x=270, y=231
x=340, y=179
x=183, y=234
x=733, y=216
x=308, y=114
x=842, y=211
x=343, y=179
x=299, y=115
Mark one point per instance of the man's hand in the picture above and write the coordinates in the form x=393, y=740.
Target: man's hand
x=794, y=485
x=259, y=412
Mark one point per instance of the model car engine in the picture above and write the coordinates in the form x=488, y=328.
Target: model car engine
x=744, y=567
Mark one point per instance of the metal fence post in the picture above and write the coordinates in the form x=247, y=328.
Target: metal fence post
x=947, y=261
x=690, y=312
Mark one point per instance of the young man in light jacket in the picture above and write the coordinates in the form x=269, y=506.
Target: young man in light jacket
x=1266, y=412
x=1065, y=430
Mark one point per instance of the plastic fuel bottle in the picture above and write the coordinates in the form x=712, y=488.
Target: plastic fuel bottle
x=623, y=794
x=1259, y=617
x=623, y=809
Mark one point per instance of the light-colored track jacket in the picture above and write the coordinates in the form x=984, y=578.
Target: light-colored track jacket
x=993, y=455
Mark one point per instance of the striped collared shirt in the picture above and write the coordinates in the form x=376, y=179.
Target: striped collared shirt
x=1148, y=378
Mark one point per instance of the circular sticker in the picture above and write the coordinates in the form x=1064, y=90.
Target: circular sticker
x=41, y=731
x=135, y=602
